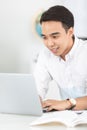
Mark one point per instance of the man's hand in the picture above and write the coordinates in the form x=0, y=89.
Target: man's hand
x=55, y=104
x=64, y=104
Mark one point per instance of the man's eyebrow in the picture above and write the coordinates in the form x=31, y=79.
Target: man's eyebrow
x=55, y=33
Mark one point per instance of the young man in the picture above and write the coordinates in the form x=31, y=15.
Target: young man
x=63, y=60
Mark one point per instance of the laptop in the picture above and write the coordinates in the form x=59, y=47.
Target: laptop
x=18, y=94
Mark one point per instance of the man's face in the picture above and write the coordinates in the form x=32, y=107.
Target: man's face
x=56, y=39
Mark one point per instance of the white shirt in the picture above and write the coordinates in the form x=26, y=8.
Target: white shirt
x=70, y=75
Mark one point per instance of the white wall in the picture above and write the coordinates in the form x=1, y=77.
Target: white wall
x=18, y=44
x=79, y=9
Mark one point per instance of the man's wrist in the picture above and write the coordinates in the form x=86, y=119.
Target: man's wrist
x=72, y=103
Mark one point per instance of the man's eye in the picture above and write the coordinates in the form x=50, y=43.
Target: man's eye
x=44, y=38
x=55, y=37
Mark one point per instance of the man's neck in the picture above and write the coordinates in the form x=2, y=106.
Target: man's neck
x=68, y=49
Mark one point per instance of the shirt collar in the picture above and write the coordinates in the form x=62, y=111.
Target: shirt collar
x=71, y=52
x=73, y=49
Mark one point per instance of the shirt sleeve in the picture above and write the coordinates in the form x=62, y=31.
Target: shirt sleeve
x=42, y=76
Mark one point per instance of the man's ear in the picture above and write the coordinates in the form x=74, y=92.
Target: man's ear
x=71, y=31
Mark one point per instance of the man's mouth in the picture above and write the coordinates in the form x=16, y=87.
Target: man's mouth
x=55, y=50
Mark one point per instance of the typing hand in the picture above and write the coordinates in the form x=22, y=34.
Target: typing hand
x=55, y=105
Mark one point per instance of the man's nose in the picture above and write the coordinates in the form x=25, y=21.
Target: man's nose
x=50, y=43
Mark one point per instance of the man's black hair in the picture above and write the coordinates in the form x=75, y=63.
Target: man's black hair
x=59, y=13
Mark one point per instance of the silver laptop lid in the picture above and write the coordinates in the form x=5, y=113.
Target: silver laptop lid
x=18, y=94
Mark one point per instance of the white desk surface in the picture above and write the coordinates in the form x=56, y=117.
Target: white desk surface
x=21, y=122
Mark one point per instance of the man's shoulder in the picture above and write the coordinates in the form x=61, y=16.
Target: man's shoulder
x=83, y=43
x=82, y=47
x=80, y=42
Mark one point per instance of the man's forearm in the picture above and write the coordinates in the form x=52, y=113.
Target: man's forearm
x=81, y=103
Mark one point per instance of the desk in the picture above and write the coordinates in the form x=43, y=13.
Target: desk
x=21, y=122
